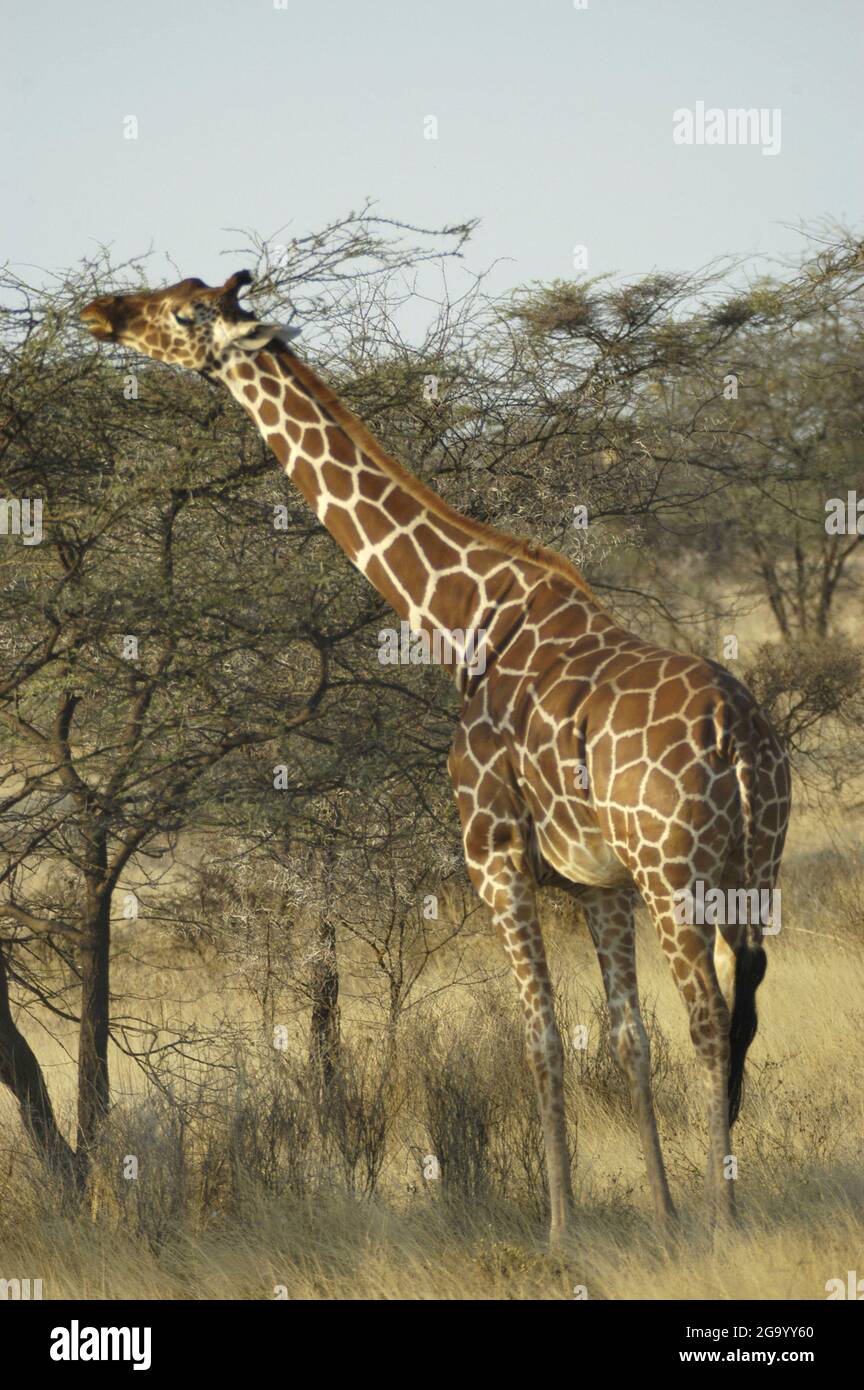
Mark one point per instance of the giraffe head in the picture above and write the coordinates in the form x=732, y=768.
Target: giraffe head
x=190, y=324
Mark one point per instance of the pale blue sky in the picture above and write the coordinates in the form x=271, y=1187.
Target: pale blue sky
x=555, y=125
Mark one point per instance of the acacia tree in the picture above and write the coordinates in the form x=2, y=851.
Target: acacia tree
x=155, y=634
x=714, y=428
x=119, y=634
x=794, y=439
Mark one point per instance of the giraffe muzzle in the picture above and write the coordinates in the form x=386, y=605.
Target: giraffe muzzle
x=101, y=318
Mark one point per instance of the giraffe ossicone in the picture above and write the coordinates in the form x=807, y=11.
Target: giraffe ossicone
x=584, y=756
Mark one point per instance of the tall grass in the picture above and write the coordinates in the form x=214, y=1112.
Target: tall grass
x=417, y=1172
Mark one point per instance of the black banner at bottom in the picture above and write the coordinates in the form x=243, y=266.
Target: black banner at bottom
x=155, y=1338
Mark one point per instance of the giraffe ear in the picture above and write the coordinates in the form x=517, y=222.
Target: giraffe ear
x=237, y=282
x=252, y=334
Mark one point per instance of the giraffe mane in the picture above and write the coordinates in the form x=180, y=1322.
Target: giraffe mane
x=518, y=549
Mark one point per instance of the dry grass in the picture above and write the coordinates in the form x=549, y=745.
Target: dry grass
x=246, y=1184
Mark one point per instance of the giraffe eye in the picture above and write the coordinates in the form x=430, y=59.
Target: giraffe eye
x=181, y=318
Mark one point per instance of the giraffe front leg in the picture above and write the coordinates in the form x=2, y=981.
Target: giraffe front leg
x=515, y=916
x=495, y=832
x=509, y=891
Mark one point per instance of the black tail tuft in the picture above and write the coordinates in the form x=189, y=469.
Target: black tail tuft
x=750, y=966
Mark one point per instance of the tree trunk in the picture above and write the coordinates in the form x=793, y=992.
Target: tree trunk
x=324, y=988
x=20, y=1071
x=93, y=1085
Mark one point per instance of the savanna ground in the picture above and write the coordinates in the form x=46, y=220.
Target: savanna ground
x=242, y=1188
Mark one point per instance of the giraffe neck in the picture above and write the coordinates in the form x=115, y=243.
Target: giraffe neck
x=441, y=572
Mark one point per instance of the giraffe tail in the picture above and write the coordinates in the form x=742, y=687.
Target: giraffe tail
x=750, y=958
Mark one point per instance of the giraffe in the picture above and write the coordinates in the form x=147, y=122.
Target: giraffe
x=584, y=757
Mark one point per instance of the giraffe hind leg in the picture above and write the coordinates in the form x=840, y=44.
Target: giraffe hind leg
x=690, y=948
x=740, y=955
x=609, y=916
